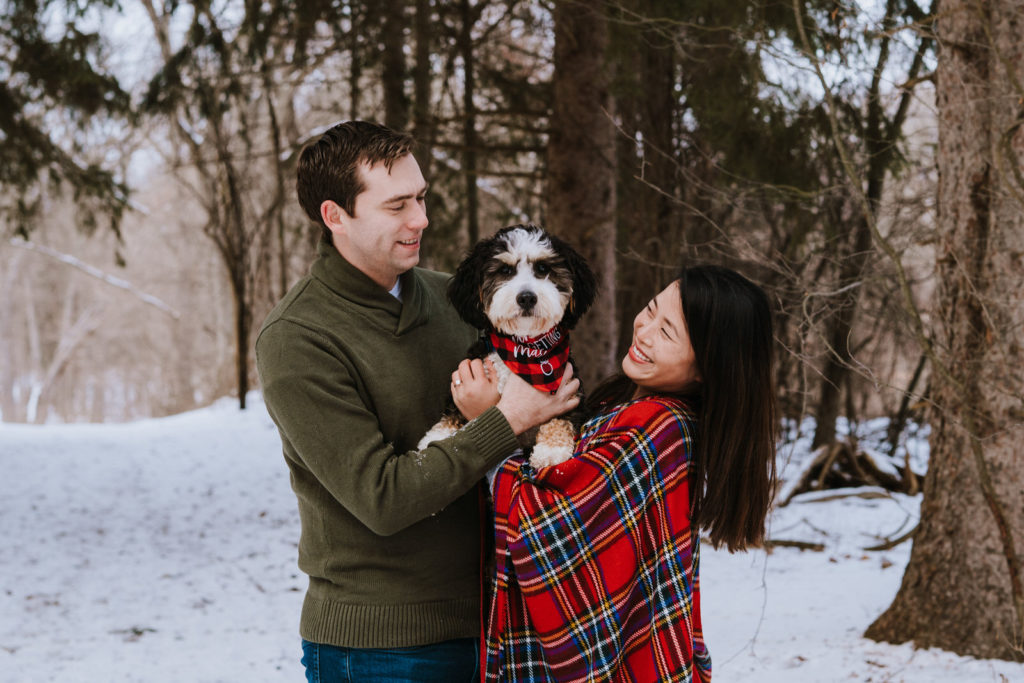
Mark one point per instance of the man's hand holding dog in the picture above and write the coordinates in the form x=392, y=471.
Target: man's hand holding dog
x=525, y=407
x=475, y=389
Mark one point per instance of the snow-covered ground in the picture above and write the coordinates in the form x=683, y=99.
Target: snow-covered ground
x=164, y=551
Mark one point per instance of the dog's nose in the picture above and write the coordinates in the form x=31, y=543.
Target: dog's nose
x=526, y=300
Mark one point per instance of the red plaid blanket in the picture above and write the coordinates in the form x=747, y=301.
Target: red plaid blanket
x=596, y=564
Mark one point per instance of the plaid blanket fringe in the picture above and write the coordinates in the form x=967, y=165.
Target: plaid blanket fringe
x=596, y=564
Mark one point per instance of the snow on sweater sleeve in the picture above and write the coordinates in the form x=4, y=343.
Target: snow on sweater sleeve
x=335, y=440
x=597, y=564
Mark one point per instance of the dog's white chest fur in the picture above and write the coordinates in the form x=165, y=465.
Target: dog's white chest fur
x=503, y=370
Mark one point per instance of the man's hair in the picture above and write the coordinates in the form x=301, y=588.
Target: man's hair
x=328, y=168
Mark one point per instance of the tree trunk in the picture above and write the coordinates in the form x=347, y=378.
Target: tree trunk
x=581, y=171
x=11, y=354
x=396, y=103
x=243, y=326
x=962, y=589
x=649, y=216
x=356, y=58
x=423, y=121
x=469, y=140
x=276, y=210
x=839, y=328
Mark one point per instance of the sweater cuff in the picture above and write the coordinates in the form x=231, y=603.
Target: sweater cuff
x=492, y=435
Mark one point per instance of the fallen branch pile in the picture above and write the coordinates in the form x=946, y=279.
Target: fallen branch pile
x=843, y=465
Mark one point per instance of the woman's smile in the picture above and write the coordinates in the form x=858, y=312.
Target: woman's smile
x=637, y=355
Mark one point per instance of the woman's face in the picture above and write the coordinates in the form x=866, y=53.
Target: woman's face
x=661, y=358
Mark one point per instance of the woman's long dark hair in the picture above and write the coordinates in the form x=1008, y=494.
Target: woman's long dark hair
x=732, y=472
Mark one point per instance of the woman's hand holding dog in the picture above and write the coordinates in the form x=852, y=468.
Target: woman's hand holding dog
x=525, y=407
x=474, y=387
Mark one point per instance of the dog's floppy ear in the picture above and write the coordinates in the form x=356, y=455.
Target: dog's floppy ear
x=465, y=286
x=584, y=283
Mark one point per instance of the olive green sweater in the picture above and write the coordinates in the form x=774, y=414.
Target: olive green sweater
x=353, y=378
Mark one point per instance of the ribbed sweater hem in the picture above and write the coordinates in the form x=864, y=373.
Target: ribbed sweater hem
x=379, y=626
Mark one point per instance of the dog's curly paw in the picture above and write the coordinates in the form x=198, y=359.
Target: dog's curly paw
x=444, y=428
x=543, y=456
x=555, y=442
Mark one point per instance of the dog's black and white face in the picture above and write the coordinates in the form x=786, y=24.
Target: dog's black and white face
x=526, y=285
x=522, y=282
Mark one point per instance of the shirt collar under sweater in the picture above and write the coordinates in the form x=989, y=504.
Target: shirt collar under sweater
x=350, y=283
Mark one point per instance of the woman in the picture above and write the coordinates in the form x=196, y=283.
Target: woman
x=597, y=559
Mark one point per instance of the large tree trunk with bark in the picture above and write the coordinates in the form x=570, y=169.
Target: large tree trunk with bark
x=650, y=215
x=423, y=119
x=962, y=590
x=396, y=102
x=581, y=171
x=468, y=15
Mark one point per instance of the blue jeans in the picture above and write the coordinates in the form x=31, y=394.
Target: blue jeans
x=451, y=661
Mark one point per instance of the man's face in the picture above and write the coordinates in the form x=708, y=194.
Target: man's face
x=382, y=238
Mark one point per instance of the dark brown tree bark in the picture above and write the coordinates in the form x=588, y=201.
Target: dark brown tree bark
x=962, y=590
x=581, y=170
x=468, y=15
x=356, y=47
x=396, y=102
x=423, y=120
x=650, y=215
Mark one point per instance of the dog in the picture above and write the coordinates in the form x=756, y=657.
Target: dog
x=524, y=289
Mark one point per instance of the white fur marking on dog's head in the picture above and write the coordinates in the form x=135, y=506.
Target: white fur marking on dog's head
x=526, y=284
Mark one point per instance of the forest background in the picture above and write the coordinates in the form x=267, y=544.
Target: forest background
x=860, y=160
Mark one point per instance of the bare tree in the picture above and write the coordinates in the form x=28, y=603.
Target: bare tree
x=54, y=326
x=219, y=96
x=878, y=134
x=963, y=589
x=581, y=168
x=469, y=14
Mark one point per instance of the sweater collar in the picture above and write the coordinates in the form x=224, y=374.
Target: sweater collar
x=350, y=283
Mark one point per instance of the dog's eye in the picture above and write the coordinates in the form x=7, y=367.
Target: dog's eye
x=505, y=269
x=541, y=268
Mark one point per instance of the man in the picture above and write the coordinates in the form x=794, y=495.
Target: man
x=355, y=364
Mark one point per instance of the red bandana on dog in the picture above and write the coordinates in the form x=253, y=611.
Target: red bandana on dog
x=540, y=360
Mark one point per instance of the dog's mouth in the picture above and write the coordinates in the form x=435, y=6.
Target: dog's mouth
x=527, y=324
